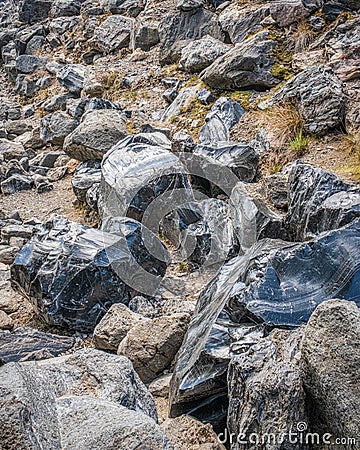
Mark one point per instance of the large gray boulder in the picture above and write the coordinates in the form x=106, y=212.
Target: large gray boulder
x=98, y=131
x=266, y=393
x=247, y=65
x=319, y=201
x=64, y=8
x=73, y=273
x=56, y=126
x=199, y=54
x=320, y=98
x=179, y=28
x=113, y=33
x=88, y=400
x=331, y=358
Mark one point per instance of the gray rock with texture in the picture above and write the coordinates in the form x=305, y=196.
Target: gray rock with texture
x=331, y=359
x=266, y=393
x=85, y=176
x=33, y=11
x=72, y=77
x=98, y=131
x=88, y=400
x=247, y=65
x=114, y=326
x=151, y=345
x=199, y=54
x=179, y=28
x=113, y=33
x=28, y=63
x=320, y=98
x=56, y=126
x=319, y=201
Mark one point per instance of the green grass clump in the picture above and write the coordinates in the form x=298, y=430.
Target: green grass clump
x=299, y=144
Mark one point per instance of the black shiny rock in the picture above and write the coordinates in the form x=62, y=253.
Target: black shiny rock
x=138, y=172
x=274, y=284
x=203, y=231
x=28, y=343
x=224, y=115
x=319, y=201
x=73, y=273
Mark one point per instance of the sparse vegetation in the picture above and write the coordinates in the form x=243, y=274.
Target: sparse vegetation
x=111, y=84
x=299, y=144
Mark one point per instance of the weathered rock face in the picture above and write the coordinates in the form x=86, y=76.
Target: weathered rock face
x=29, y=344
x=319, y=201
x=331, y=367
x=113, y=33
x=98, y=131
x=87, y=400
x=247, y=65
x=179, y=28
x=320, y=98
x=28, y=63
x=239, y=21
x=154, y=171
x=224, y=115
x=266, y=394
x=32, y=11
x=114, y=326
x=56, y=126
x=64, y=8
x=274, y=283
x=151, y=345
x=199, y=54
x=74, y=273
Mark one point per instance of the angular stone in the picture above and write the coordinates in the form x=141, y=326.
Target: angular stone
x=98, y=131
x=319, y=95
x=319, y=201
x=28, y=63
x=28, y=343
x=253, y=219
x=114, y=326
x=248, y=65
x=146, y=159
x=33, y=11
x=331, y=360
x=274, y=284
x=179, y=28
x=73, y=273
x=271, y=369
x=16, y=183
x=199, y=54
x=223, y=116
x=56, y=126
x=152, y=345
x=61, y=8
x=6, y=323
x=113, y=34
x=72, y=77
x=85, y=176
x=89, y=399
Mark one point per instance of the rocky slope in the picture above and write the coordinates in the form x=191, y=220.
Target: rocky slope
x=180, y=224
